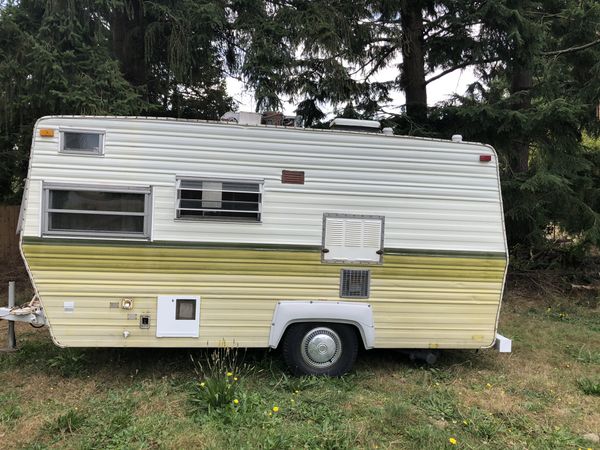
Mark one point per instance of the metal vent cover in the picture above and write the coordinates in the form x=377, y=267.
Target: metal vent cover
x=355, y=283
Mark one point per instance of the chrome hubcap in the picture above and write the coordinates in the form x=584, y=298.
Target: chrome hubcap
x=321, y=347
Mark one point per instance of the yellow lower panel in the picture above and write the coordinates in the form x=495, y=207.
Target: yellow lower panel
x=418, y=301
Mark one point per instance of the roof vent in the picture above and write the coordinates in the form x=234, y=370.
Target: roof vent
x=388, y=131
x=340, y=123
x=457, y=138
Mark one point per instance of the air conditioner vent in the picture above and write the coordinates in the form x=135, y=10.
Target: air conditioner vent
x=355, y=283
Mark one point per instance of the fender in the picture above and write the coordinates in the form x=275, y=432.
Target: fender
x=289, y=312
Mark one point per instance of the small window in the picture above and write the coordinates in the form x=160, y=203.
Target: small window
x=83, y=210
x=355, y=283
x=219, y=199
x=83, y=142
x=185, y=309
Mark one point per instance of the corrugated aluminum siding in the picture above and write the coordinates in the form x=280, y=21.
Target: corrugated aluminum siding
x=418, y=301
x=435, y=195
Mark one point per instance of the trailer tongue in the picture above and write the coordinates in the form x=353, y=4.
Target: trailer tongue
x=31, y=312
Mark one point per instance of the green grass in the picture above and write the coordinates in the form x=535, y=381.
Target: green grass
x=542, y=396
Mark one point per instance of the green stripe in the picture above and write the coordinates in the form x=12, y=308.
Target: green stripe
x=249, y=246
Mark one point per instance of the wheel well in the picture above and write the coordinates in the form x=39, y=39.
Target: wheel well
x=353, y=327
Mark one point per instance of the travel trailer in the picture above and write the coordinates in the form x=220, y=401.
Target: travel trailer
x=149, y=232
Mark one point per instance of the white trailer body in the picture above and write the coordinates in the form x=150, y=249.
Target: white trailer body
x=144, y=232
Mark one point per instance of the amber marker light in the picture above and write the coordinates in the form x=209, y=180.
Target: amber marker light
x=46, y=132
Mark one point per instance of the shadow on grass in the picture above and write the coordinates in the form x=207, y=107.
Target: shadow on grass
x=37, y=354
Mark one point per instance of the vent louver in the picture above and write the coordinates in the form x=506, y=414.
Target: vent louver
x=355, y=283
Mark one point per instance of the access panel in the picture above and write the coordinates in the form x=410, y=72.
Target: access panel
x=178, y=316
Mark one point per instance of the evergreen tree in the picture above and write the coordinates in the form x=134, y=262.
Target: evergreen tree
x=57, y=58
x=173, y=52
x=533, y=105
x=53, y=60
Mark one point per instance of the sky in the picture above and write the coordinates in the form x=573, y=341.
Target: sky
x=437, y=91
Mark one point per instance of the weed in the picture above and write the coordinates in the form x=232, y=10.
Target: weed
x=9, y=413
x=297, y=384
x=68, y=362
x=585, y=355
x=555, y=437
x=218, y=384
x=440, y=404
x=35, y=446
x=69, y=422
x=485, y=426
x=215, y=392
x=589, y=386
x=438, y=375
x=425, y=436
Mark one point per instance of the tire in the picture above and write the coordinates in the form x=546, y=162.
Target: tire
x=320, y=348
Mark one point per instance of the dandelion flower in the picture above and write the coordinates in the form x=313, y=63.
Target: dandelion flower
x=466, y=422
x=488, y=385
x=270, y=414
x=235, y=378
x=452, y=441
x=202, y=384
x=236, y=401
x=229, y=374
x=275, y=408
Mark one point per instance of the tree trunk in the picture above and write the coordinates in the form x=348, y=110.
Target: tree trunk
x=127, y=28
x=412, y=79
x=521, y=84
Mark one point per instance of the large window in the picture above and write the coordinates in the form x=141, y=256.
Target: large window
x=82, y=142
x=97, y=211
x=219, y=199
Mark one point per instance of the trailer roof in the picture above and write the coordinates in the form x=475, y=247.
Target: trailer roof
x=280, y=127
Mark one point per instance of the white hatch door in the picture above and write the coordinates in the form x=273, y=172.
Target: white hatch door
x=178, y=316
x=352, y=238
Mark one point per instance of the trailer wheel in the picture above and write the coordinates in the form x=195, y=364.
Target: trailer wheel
x=320, y=349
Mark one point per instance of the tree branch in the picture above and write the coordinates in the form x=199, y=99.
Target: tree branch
x=460, y=66
x=572, y=49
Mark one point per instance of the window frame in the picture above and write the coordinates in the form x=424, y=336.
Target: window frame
x=46, y=211
x=62, y=141
x=259, y=213
x=179, y=302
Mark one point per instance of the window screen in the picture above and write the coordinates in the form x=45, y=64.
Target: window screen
x=88, y=211
x=205, y=199
x=355, y=283
x=185, y=309
x=82, y=142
